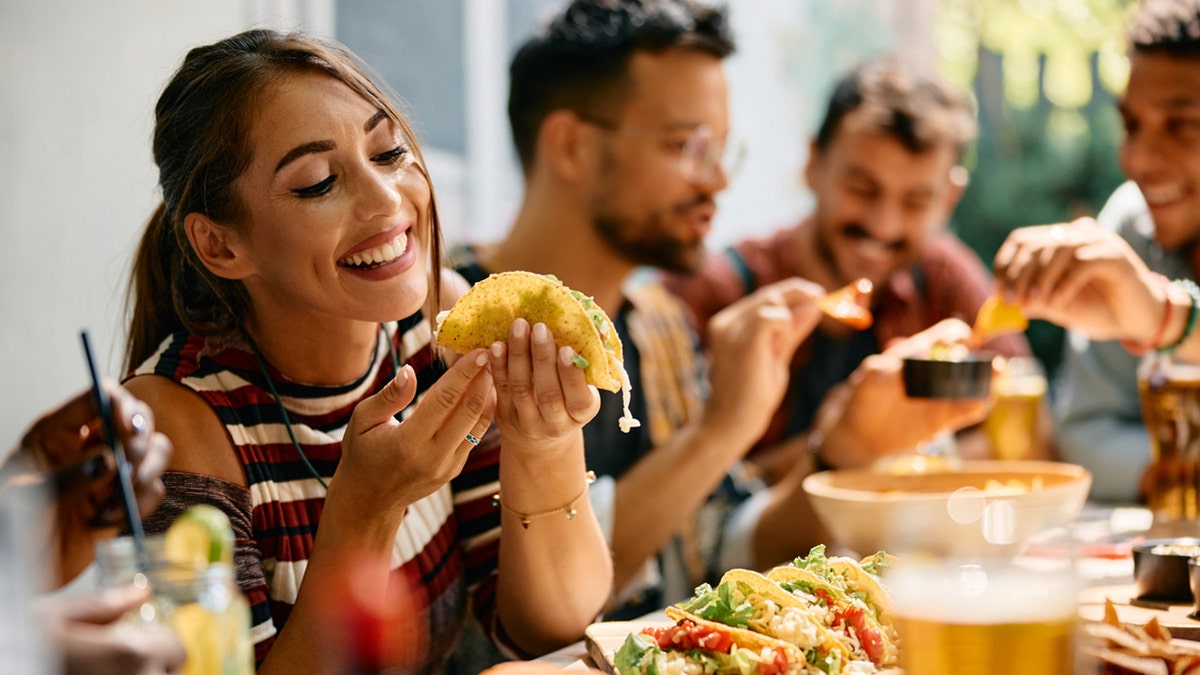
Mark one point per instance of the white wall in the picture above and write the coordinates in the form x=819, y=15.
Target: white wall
x=78, y=82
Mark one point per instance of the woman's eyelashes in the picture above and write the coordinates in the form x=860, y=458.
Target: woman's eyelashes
x=394, y=156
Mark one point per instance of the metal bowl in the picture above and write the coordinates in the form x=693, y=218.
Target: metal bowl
x=1161, y=571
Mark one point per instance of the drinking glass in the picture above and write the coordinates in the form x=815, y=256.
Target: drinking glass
x=989, y=615
x=1169, y=390
x=1018, y=389
x=202, y=604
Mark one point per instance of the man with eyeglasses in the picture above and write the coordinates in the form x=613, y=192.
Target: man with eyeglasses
x=619, y=115
x=884, y=171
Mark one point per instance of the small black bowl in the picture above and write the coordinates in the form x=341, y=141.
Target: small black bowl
x=1161, y=571
x=968, y=377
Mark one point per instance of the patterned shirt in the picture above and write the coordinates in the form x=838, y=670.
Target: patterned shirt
x=946, y=281
x=447, y=542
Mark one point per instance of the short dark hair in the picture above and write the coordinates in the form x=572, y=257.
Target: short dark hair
x=1170, y=26
x=579, y=58
x=901, y=98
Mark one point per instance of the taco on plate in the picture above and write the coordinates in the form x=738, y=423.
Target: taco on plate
x=484, y=314
x=855, y=605
x=695, y=645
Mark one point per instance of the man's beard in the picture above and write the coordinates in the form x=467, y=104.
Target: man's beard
x=646, y=244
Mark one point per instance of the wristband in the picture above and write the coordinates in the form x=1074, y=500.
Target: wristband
x=1139, y=348
x=1193, y=291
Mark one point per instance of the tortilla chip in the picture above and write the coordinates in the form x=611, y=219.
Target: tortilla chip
x=484, y=314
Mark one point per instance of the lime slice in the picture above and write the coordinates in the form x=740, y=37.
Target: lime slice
x=201, y=535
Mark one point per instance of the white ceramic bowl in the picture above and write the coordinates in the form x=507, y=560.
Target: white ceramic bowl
x=948, y=513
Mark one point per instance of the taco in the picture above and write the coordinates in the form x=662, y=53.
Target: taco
x=484, y=314
x=860, y=579
x=856, y=605
x=749, y=600
x=698, y=645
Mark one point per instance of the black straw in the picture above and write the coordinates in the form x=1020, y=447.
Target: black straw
x=124, y=470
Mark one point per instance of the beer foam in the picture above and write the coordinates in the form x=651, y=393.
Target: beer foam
x=973, y=594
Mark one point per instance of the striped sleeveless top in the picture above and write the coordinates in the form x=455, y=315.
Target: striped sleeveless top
x=448, y=542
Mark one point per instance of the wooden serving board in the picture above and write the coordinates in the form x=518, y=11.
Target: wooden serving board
x=1173, y=617
x=604, y=639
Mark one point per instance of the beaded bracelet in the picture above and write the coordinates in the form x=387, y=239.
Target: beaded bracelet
x=568, y=508
x=1193, y=291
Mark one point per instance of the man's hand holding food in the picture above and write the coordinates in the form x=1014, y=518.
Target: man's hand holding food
x=751, y=344
x=870, y=417
x=1087, y=278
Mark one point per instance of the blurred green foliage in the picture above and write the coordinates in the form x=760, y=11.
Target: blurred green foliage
x=1045, y=74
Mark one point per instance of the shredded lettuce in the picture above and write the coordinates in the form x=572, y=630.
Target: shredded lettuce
x=877, y=564
x=726, y=604
x=580, y=362
x=815, y=562
x=636, y=656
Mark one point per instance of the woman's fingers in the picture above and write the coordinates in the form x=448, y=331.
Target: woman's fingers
x=512, y=369
x=580, y=400
x=547, y=382
x=382, y=407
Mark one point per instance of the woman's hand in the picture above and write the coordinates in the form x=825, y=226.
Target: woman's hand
x=390, y=464
x=543, y=398
x=67, y=446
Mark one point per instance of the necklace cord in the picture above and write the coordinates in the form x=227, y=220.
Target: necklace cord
x=287, y=421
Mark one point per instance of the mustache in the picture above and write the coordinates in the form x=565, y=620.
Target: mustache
x=860, y=233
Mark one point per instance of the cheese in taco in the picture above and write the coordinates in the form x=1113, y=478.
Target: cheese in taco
x=484, y=314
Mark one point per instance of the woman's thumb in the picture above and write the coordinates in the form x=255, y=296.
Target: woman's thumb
x=393, y=398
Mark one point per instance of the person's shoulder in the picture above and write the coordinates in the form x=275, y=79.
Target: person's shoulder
x=192, y=425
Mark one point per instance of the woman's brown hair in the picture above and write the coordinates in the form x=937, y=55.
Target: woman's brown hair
x=201, y=146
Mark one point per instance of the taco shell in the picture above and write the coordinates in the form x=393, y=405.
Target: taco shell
x=484, y=314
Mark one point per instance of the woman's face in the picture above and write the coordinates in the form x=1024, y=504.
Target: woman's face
x=337, y=211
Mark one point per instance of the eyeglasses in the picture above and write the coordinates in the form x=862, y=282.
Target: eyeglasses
x=701, y=156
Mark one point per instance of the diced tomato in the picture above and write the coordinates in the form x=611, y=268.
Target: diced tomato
x=687, y=635
x=869, y=638
x=823, y=595
x=776, y=666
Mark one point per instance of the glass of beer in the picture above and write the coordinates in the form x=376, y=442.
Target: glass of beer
x=1018, y=389
x=989, y=616
x=1169, y=389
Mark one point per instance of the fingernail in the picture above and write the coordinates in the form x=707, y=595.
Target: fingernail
x=138, y=422
x=540, y=332
x=497, y=349
x=566, y=356
x=482, y=358
x=402, y=376
x=519, y=328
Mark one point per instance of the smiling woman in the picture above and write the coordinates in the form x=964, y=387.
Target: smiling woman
x=280, y=334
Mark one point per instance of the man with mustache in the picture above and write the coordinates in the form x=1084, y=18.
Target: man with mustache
x=884, y=171
x=620, y=117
